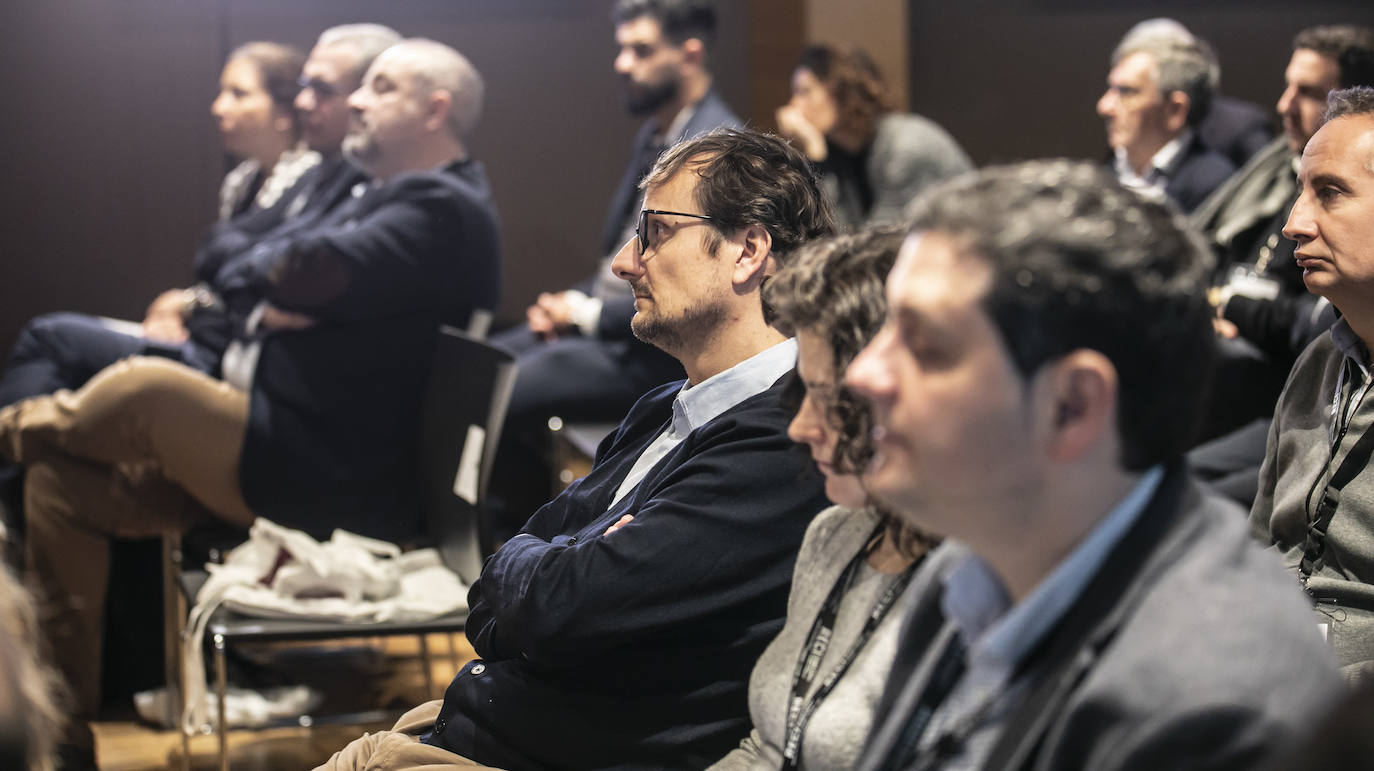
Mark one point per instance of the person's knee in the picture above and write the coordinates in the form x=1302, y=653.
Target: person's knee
x=142, y=380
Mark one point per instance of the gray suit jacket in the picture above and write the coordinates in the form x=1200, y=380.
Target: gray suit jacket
x=1192, y=648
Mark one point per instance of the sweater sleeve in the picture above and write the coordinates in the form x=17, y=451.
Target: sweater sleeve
x=714, y=536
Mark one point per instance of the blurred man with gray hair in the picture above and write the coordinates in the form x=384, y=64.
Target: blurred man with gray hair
x=1236, y=128
x=1158, y=91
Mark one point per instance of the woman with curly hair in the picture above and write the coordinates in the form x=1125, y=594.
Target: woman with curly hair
x=813, y=692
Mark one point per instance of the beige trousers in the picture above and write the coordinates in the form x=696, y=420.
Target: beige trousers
x=399, y=749
x=148, y=446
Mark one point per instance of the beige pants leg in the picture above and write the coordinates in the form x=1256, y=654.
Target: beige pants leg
x=144, y=411
x=399, y=749
x=121, y=457
x=73, y=508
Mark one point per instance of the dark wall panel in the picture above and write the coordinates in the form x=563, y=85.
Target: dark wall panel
x=110, y=154
x=1016, y=79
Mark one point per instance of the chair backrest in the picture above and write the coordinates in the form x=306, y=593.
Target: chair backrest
x=464, y=408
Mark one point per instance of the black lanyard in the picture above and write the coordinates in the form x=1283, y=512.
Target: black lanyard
x=800, y=709
x=946, y=673
x=1314, y=543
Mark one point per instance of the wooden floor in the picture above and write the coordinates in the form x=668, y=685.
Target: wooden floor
x=384, y=673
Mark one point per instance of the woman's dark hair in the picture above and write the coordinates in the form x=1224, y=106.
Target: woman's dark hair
x=854, y=82
x=279, y=66
x=833, y=288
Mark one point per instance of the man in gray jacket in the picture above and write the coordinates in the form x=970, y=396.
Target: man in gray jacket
x=1315, y=502
x=1034, y=388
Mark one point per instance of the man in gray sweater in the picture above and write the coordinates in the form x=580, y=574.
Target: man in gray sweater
x=1315, y=504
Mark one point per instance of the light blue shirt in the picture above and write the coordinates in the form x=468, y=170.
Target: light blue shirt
x=698, y=404
x=999, y=635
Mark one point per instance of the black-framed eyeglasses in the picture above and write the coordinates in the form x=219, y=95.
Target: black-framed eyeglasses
x=642, y=229
x=322, y=89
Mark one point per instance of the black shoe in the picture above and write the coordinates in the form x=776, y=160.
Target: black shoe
x=75, y=757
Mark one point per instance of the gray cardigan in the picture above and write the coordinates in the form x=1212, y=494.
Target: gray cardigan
x=909, y=153
x=1297, y=458
x=837, y=730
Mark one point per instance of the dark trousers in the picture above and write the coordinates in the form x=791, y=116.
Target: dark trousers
x=64, y=350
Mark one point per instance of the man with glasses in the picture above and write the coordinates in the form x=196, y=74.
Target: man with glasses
x=620, y=626
x=577, y=358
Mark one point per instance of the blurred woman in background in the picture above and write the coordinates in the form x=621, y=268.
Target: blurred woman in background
x=872, y=160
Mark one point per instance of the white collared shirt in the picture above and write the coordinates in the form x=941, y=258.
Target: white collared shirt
x=696, y=405
x=1151, y=183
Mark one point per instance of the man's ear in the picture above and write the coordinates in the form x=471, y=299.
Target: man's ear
x=694, y=52
x=754, y=257
x=437, y=105
x=1176, y=106
x=1080, y=404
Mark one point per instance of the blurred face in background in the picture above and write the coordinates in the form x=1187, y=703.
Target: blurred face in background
x=387, y=113
x=1134, y=110
x=326, y=81
x=1310, y=76
x=648, y=65
x=812, y=99
x=249, y=123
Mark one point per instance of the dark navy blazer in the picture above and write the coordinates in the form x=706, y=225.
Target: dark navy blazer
x=334, y=409
x=634, y=650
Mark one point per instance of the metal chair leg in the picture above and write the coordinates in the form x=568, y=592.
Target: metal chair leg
x=428, y=664
x=174, y=624
x=221, y=689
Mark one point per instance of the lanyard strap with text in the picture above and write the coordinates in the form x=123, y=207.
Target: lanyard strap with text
x=800, y=709
x=1314, y=543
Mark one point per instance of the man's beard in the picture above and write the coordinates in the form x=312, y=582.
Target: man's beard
x=645, y=100
x=360, y=148
x=691, y=329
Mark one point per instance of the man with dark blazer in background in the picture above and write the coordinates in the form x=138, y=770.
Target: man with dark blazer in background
x=1233, y=127
x=619, y=627
x=576, y=356
x=315, y=422
x=1158, y=92
x=1034, y=389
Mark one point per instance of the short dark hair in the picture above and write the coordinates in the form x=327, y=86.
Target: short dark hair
x=853, y=80
x=680, y=20
x=1350, y=45
x=1349, y=101
x=833, y=287
x=1081, y=262
x=751, y=178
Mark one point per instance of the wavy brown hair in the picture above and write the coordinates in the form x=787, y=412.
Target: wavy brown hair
x=853, y=81
x=833, y=288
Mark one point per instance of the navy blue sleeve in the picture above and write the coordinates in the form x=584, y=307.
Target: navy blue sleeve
x=715, y=534
x=385, y=260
